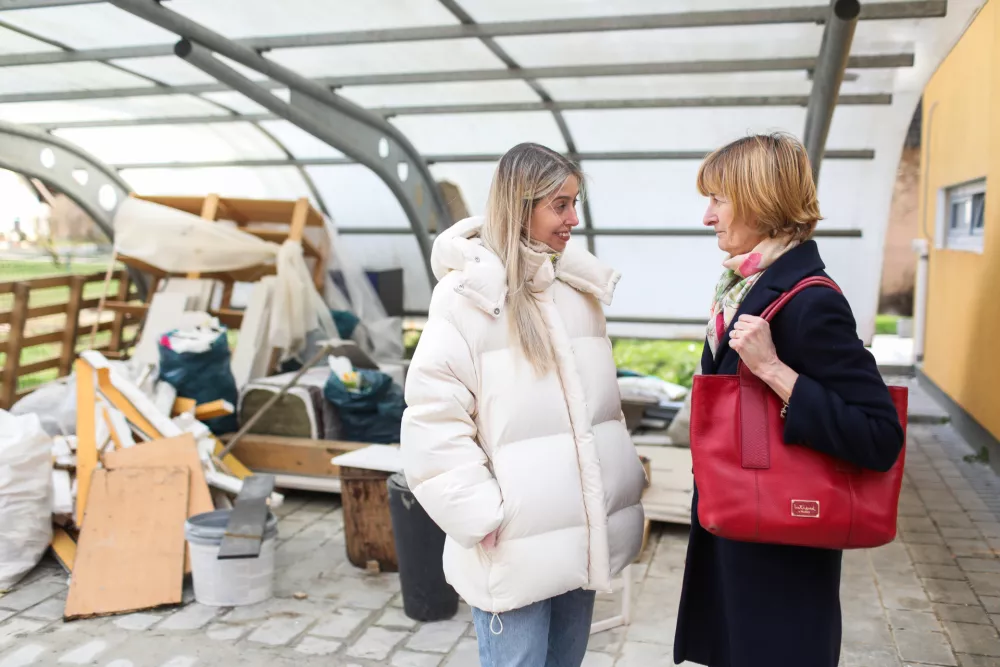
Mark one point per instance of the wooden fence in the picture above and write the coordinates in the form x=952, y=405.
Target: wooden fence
x=45, y=316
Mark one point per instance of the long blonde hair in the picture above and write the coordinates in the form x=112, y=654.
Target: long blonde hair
x=526, y=175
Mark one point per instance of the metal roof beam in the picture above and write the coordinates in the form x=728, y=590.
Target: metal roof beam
x=848, y=154
x=500, y=107
x=880, y=61
x=918, y=9
x=834, y=52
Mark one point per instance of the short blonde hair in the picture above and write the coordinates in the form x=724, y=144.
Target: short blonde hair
x=768, y=179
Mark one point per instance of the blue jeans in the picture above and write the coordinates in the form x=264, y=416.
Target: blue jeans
x=550, y=633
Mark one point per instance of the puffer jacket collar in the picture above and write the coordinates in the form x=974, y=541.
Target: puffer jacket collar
x=484, y=280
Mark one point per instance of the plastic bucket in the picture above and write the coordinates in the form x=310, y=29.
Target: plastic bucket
x=231, y=582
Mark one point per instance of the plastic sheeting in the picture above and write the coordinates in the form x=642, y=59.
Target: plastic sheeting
x=178, y=242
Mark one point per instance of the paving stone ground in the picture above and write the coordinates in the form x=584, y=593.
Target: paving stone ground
x=932, y=597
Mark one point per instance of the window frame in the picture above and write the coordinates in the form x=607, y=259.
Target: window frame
x=965, y=236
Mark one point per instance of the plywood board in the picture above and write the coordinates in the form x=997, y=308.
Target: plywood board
x=168, y=452
x=294, y=456
x=131, y=550
x=253, y=350
x=384, y=458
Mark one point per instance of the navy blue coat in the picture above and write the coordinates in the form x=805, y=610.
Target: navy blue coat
x=761, y=605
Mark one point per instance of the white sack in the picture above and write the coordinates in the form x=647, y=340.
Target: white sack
x=25, y=495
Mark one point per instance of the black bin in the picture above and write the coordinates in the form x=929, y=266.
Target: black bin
x=419, y=547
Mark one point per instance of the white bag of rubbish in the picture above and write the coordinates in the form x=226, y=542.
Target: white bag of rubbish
x=55, y=405
x=25, y=495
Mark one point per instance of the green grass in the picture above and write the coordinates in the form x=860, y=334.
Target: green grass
x=886, y=324
x=673, y=361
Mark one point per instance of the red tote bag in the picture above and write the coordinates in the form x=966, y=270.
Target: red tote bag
x=753, y=487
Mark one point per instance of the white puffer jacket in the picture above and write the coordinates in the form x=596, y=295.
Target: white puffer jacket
x=488, y=445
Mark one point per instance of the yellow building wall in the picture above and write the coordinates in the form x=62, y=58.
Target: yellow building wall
x=962, y=344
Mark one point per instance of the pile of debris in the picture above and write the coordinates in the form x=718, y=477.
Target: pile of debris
x=125, y=484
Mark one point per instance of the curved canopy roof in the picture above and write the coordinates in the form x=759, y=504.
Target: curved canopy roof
x=637, y=90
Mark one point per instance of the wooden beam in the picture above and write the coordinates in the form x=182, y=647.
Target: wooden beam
x=118, y=324
x=18, y=317
x=68, y=352
x=296, y=456
x=182, y=405
x=300, y=218
x=214, y=409
x=86, y=435
x=63, y=548
x=117, y=399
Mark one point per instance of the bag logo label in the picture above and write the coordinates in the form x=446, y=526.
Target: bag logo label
x=806, y=509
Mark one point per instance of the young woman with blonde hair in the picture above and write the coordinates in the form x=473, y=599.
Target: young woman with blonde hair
x=513, y=439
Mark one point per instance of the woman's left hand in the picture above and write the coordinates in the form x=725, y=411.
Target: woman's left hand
x=751, y=339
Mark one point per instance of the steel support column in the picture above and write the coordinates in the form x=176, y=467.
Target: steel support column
x=367, y=145
x=360, y=134
x=834, y=52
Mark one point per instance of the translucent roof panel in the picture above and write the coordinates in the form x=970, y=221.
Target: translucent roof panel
x=356, y=197
x=479, y=133
x=678, y=264
x=90, y=26
x=65, y=76
x=472, y=179
x=260, y=183
x=471, y=92
x=299, y=143
x=388, y=58
x=169, y=70
x=240, y=103
x=663, y=194
x=250, y=18
x=678, y=129
x=689, y=44
x=154, y=106
x=524, y=10
x=12, y=41
x=174, y=143
x=710, y=85
x=377, y=253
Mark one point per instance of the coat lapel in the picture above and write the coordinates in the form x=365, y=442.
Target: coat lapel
x=798, y=263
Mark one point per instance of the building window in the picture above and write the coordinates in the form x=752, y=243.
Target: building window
x=965, y=209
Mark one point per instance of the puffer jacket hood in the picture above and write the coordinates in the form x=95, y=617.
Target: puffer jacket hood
x=541, y=463
x=459, y=248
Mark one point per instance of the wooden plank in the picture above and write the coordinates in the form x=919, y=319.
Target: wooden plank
x=47, y=311
x=219, y=408
x=236, y=467
x=179, y=451
x=279, y=236
x=246, y=524
x=182, y=405
x=300, y=217
x=122, y=403
x=118, y=324
x=63, y=548
x=294, y=456
x=38, y=366
x=86, y=434
x=18, y=318
x=131, y=550
x=67, y=353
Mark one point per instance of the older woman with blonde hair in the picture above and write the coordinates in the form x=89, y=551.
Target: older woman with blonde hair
x=751, y=604
x=514, y=440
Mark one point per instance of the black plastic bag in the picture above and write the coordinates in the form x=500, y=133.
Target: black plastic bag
x=373, y=412
x=203, y=376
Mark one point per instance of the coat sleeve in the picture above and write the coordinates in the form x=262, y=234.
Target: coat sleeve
x=840, y=404
x=444, y=466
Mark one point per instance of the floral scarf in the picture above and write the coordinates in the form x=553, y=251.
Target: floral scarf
x=742, y=273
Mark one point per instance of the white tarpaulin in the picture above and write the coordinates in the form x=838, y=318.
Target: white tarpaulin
x=179, y=242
